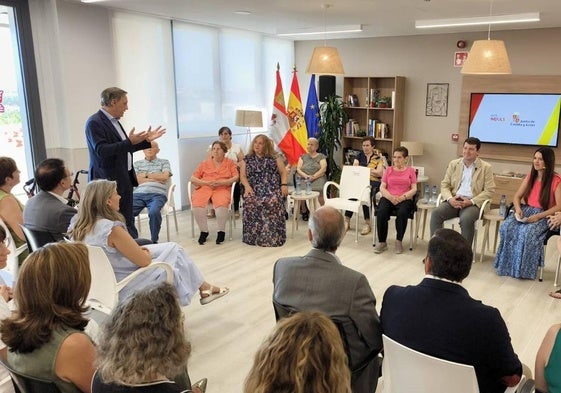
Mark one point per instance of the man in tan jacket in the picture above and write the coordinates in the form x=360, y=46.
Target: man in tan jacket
x=468, y=182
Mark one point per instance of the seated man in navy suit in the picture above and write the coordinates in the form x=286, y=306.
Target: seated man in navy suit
x=439, y=318
x=319, y=281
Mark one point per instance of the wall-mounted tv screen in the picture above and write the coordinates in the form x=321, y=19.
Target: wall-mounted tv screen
x=516, y=119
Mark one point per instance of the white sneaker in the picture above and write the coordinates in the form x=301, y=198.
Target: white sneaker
x=380, y=248
x=365, y=229
x=398, y=247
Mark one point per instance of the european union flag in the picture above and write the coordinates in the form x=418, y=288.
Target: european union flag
x=312, y=111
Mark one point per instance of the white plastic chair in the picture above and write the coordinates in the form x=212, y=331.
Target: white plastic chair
x=355, y=184
x=405, y=370
x=167, y=210
x=479, y=222
x=231, y=217
x=12, y=263
x=104, y=290
x=540, y=268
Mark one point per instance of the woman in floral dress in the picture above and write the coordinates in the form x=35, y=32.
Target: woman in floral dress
x=264, y=178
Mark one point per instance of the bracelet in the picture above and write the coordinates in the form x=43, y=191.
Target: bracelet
x=284, y=185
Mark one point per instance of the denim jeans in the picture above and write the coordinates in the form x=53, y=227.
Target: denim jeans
x=154, y=202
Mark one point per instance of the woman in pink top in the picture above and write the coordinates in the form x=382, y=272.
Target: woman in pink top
x=523, y=231
x=213, y=181
x=399, y=186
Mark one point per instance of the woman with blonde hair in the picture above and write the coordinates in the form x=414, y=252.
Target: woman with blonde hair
x=143, y=346
x=99, y=223
x=303, y=354
x=45, y=335
x=264, y=178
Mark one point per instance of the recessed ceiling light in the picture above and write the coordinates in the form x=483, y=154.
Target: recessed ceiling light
x=242, y=12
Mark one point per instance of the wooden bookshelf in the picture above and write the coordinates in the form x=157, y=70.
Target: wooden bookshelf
x=367, y=90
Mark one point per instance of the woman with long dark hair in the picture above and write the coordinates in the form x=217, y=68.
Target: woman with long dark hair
x=523, y=231
x=46, y=335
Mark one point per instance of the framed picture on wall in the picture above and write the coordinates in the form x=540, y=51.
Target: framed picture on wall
x=437, y=99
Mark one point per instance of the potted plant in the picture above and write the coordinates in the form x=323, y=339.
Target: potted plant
x=384, y=102
x=332, y=119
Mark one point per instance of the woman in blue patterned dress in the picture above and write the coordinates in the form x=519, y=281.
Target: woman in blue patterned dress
x=523, y=231
x=264, y=178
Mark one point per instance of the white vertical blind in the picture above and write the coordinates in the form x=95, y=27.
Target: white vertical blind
x=220, y=70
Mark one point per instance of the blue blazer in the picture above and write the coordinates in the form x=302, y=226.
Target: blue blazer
x=440, y=319
x=108, y=153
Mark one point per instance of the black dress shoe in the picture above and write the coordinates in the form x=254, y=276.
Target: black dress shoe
x=220, y=237
x=202, y=238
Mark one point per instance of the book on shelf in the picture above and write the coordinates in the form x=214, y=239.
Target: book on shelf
x=372, y=126
x=349, y=128
x=355, y=128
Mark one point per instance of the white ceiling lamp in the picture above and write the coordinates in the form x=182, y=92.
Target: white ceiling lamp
x=487, y=57
x=325, y=59
x=478, y=21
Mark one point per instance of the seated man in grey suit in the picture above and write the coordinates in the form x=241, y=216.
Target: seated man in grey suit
x=318, y=281
x=47, y=211
x=439, y=318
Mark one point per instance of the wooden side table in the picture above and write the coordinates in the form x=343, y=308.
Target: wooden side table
x=313, y=197
x=488, y=218
x=422, y=210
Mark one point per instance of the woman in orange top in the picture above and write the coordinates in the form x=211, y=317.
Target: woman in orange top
x=213, y=180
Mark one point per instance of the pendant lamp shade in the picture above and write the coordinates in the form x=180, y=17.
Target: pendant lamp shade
x=325, y=60
x=487, y=57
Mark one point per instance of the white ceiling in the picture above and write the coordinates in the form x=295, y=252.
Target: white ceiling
x=378, y=17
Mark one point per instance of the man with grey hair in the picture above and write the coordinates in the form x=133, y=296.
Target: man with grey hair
x=111, y=148
x=318, y=281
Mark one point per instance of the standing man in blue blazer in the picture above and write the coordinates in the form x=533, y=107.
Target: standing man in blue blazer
x=111, y=149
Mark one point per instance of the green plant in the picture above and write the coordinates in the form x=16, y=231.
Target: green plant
x=332, y=119
x=384, y=102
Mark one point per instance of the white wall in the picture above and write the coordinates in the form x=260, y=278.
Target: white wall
x=429, y=58
x=74, y=49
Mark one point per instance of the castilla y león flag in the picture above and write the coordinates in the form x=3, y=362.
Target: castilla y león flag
x=286, y=127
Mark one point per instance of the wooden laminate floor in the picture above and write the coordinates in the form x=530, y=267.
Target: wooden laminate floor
x=226, y=333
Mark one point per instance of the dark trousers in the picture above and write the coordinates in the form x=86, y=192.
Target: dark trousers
x=237, y=193
x=125, y=188
x=383, y=213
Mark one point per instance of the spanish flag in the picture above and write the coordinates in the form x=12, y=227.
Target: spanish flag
x=281, y=126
